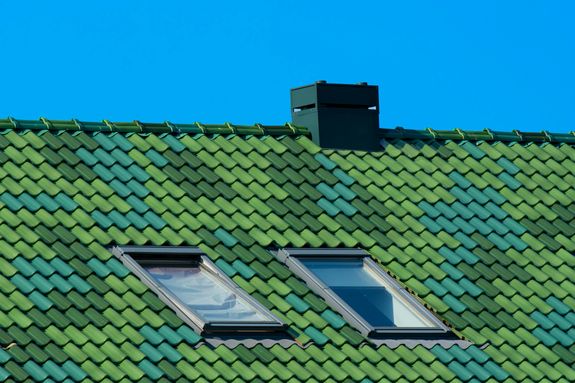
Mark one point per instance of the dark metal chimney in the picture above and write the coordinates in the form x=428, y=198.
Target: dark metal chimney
x=339, y=116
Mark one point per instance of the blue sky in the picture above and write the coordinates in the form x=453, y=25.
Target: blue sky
x=442, y=64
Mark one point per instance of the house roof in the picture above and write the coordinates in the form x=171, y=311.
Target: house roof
x=479, y=228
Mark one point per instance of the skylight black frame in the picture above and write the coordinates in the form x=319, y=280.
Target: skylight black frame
x=133, y=257
x=290, y=256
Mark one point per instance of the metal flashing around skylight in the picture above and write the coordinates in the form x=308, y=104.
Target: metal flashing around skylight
x=303, y=262
x=173, y=273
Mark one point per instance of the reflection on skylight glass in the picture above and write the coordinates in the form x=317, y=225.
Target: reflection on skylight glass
x=365, y=292
x=205, y=295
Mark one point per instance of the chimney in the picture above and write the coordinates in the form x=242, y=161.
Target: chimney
x=339, y=116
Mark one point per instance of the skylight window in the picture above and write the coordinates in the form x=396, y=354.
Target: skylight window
x=193, y=286
x=362, y=292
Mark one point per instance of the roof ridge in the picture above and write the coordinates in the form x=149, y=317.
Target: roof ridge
x=43, y=124
x=477, y=135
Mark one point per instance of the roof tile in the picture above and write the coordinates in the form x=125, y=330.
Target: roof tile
x=480, y=230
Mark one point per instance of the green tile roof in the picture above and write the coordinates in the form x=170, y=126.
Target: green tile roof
x=477, y=225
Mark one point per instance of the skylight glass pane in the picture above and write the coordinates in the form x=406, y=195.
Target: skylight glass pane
x=205, y=295
x=365, y=292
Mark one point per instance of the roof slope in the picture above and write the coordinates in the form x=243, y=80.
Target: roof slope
x=482, y=232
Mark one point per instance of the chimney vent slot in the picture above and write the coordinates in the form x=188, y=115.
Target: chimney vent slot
x=303, y=107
